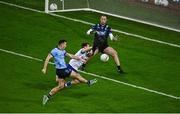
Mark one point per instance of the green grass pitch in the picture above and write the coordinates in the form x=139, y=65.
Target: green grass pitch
x=149, y=64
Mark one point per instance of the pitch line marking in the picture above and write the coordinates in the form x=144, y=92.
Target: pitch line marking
x=88, y=23
x=98, y=76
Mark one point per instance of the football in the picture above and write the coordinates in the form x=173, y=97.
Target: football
x=104, y=57
x=53, y=7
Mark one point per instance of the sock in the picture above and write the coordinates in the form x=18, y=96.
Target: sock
x=119, y=68
x=88, y=82
x=49, y=95
x=68, y=84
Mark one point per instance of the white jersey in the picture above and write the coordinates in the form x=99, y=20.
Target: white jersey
x=76, y=64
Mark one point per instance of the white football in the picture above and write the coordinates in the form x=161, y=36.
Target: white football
x=104, y=57
x=53, y=7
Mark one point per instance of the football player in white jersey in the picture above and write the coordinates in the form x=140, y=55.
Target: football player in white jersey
x=74, y=64
x=83, y=53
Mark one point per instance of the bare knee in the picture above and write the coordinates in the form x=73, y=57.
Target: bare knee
x=77, y=77
x=80, y=79
x=77, y=81
x=60, y=86
x=114, y=54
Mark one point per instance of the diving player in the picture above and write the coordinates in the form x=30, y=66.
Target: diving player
x=75, y=64
x=83, y=53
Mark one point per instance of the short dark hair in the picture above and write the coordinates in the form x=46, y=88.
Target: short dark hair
x=84, y=44
x=61, y=41
x=103, y=16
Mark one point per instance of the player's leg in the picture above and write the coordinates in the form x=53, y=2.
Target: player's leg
x=72, y=82
x=53, y=91
x=56, y=89
x=75, y=81
x=78, y=77
x=112, y=52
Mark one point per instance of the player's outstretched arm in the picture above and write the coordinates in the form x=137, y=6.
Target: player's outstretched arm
x=75, y=57
x=90, y=31
x=46, y=63
x=112, y=37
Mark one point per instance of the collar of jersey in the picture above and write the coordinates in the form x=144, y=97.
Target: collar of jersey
x=59, y=48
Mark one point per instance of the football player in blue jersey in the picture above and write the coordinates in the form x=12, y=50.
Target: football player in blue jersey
x=62, y=70
x=101, y=33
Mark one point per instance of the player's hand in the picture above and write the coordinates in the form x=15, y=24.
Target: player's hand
x=115, y=38
x=43, y=71
x=84, y=61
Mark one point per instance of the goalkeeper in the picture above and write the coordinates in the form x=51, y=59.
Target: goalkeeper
x=101, y=33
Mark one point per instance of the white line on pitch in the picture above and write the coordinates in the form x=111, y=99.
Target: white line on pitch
x=118, y=31
x=95, y=75
x=88, y=23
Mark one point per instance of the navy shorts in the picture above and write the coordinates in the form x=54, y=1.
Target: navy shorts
x=63, y=73
x=71, y=68
x=101, y=47
x=66, y=72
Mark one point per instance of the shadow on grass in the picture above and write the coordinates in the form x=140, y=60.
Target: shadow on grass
x=40, y=85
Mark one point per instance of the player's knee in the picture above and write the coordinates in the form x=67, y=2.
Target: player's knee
x=114, y=54
x=76, y=81
x=60, y=86
x=79, y=78
x=76, y=77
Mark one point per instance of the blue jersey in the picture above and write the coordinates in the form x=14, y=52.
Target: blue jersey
x=59, y=58
x=102, y=33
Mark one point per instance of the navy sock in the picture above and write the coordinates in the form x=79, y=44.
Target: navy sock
x=119, y=68
x=68, y=84
x=88, y=82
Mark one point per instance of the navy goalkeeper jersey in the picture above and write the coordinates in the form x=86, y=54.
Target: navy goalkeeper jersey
x=101, y=34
